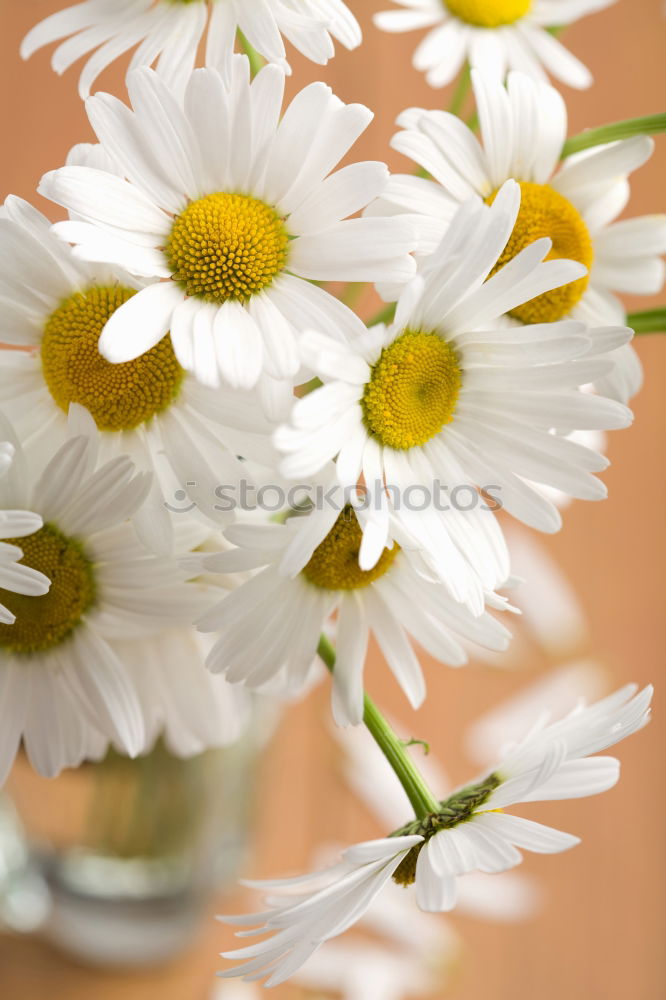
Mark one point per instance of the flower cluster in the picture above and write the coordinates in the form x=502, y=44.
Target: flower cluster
x=180, y=333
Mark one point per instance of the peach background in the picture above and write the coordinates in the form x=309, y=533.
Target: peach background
x=600, y=934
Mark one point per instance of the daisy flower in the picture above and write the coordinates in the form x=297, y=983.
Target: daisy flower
x=149, y=408
x=170, y=32
x=493, y=35
x=15, y=577
x=222, y=204
x=470, y=833
x=446, y=395
x=272, y=623
x=574, y=202
x=64, y=690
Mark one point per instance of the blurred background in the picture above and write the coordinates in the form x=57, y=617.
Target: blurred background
x=597, y=927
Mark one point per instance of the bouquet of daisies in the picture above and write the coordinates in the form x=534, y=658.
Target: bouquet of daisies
x=208, y=455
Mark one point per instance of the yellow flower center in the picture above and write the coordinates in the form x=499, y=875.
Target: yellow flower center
x=545, y=212
x=119, y=397
x=44, y=622
x=334, y=563
x=227, y=246
x=413, y=390
x=488, y=13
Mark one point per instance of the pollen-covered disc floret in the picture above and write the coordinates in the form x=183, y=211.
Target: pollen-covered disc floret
x=488, y=13
x=44, y=622
x=227, y=246
x=119, y=397
x=334, y=564
x=231, y=240
x=545, y=212
x=412, y=391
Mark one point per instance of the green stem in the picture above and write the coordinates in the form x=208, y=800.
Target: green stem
x=256, y=61
x=648, y=321
x=649, y=125
x=461, y=91
x=385, y=315
x=422, y=799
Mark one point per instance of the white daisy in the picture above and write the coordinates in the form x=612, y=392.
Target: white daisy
x=493, y=35
x=222, y=203
x=170, y=32
x=470, y=833
x=64, y=690
x=147, y=408
x=15, y=577
x=473, y=833
x=444, y=396
x=523, y=130
x=272, y=623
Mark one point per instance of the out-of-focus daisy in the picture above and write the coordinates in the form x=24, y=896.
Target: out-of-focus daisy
x=447, y=395
x=149, y=408
x=221, y=202
x=271, y=624
x=64, y=690
x=170, y=32
x=15, y=577
x=471, y=832
x=493, y=35
x=575, y=204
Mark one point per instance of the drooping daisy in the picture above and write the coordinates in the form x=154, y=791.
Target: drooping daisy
x=474, y=833
x=149, y=408
x=471, y=832
x=170, y=32
x=64, y=690
x=14, y=575
x=523, y=130
x=271, y=624
x=493, y=35
x=444, y=396
x=222, y=204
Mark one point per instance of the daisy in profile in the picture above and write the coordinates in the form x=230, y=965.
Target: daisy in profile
x=170, y=32
x=447, y=395
x=64, y=690
x=15, y=576
x=270, y=625
x=493, y=35
x=232, y=231
x=574, y=202
x=470, y=832
x=149, y=408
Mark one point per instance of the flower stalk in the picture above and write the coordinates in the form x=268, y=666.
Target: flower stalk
x=648, y=125
x=648, y=321
x=422, y=799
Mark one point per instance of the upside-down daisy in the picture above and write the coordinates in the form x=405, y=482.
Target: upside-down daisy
x=469, y=832
x=64, y=690
x=493, y=35
x=271, y=624
x=447, y=395
x=523, y=130
x=223, y=205
x=15, y=577
x=170, y=32
x=149, y=408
